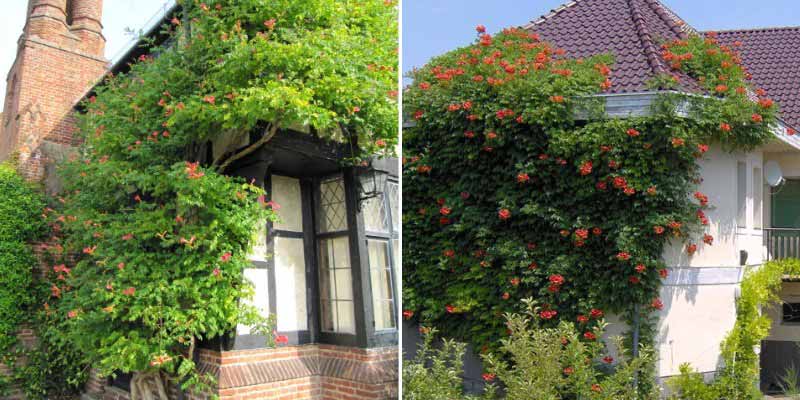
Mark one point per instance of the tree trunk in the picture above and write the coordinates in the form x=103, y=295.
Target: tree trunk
x=148, y=386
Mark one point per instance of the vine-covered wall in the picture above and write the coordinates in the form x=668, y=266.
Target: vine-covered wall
x=507, y=195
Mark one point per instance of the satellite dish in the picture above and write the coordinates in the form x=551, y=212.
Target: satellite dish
x=773, y=173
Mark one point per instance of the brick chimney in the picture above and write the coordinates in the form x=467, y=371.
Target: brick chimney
x=60, y=55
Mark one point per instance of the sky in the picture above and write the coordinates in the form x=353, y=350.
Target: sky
x=118, y=17
x=432, y=27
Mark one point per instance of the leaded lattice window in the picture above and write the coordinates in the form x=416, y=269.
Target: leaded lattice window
x=332, y=209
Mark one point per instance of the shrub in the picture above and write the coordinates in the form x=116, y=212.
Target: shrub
x=538, y=363
x=435, y=373
x=533, y=363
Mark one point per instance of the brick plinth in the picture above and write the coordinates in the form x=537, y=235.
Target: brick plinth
x=307, y=372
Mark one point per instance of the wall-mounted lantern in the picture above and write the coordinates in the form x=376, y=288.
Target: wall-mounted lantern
x=371, y=183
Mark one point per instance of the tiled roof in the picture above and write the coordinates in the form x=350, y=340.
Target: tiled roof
x=772, y=56
x=631, y=30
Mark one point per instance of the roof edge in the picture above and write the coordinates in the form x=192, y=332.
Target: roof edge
x=765, y=28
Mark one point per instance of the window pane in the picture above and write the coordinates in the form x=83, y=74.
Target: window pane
x=336, y=285
x=384, y=315
x=286, y=192
x=381, y=283
x=392, y=193
x=346, y=321
x=332, y=209
x=328, y=315
x=397, y=257
x=757, y=195
x=378, y=264
x=290, y=284
x=259, y=278
x=741, y=194
x=344, y=284
x=374, y=212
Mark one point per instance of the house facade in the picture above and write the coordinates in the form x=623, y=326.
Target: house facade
x=326, y=269
x=750, y=220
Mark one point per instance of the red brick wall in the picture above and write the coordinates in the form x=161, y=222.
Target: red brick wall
x=56, y=65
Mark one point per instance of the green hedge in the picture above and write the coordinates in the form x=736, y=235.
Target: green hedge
x=20, y=207
x=20, y=222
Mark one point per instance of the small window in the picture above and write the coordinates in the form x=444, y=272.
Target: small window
x=332, y=208
x=336, y=286
x=791, y=313
x=758, y=187
x=741, y=194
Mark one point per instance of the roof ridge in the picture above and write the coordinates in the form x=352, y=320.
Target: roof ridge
x=765, y=28
x=648, y=45
x=676, y=24
x=551, y=14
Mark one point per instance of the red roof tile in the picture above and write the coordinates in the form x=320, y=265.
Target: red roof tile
x=772, y=56
x=633, y=30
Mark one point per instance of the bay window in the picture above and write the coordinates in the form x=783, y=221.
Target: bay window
x=326, y=268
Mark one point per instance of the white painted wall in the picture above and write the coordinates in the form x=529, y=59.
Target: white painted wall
x=693, y=323
x=699, y=297
x=718, y=170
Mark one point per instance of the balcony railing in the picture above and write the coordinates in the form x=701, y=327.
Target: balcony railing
x=782, y=243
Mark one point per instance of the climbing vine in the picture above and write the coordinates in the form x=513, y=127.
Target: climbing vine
x=516, y=185
x=151, y=236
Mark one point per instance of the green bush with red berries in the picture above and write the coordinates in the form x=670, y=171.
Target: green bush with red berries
x=516, y=185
